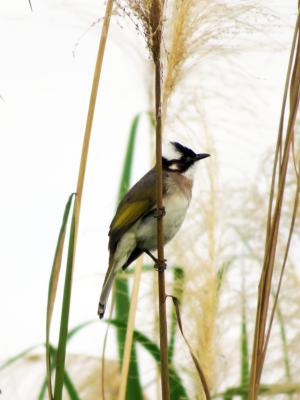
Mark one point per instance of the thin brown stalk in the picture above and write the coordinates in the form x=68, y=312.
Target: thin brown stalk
x=261, y=338
x=90, y=116
x=80, y=180
x=156, y=18
x=278, y=151
x=293, y=220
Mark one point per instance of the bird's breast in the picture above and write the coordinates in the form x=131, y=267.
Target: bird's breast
x=176, y=205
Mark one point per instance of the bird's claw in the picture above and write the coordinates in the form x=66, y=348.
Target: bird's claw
x=159, y=212
x=160, y=266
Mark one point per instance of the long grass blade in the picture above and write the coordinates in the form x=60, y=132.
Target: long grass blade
x=67, y=380
x=53, y=352
x=76, y=214
x=194, y=358
x=264, y=390
x=17, y=357
x=63, y=333
x=177, y=390
x=56, y=266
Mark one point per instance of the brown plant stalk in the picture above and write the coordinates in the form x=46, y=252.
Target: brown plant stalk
x=87, y=136
x=280, y=167
x=156, y=28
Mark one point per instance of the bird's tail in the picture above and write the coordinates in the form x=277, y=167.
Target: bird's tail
x=106, y=288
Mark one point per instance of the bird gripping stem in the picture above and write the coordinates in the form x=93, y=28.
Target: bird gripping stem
x=156, y=21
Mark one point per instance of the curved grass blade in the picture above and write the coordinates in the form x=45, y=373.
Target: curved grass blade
x=263, y=390
x=56, y=266
x=53, y=351
x=194, y=358
x=17, y=357
x=79, y=327
x=76, y=212
x=177, y=390
x=177, y=292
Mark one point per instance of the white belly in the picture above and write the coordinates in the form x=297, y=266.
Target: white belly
x=176, y=207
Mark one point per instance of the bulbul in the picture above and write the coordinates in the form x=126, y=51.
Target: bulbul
x=133, y=230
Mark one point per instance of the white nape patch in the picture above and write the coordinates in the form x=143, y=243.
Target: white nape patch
x=169, y=151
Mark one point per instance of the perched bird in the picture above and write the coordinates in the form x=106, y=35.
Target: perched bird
x=133, y=230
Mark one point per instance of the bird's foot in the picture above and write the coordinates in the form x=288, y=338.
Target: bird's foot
x=160, y=265
x=159, y=212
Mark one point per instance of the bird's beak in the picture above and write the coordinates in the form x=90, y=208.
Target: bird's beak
x=201, y=156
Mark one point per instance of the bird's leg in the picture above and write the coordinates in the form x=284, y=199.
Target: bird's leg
x=160, y=266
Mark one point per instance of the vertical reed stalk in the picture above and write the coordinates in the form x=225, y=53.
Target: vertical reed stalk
x=80, y=181
x=262, y=333
x=90, y=116
x=157, y=13
x=130, y=328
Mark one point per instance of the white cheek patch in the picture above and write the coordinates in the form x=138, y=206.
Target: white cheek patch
x=173, y=169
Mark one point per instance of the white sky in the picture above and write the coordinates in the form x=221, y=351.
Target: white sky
x=45, y=92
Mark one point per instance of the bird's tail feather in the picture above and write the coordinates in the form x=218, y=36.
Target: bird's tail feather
x=106, y=288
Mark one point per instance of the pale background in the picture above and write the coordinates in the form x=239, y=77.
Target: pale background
x=44, y=90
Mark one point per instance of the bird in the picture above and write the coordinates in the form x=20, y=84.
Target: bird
x=133, y=230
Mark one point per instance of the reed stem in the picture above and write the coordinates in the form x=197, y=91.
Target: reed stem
x=77, y=205
x=262, y=332
x=157, y=10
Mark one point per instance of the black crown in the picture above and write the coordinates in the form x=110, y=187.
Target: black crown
x=185, y=151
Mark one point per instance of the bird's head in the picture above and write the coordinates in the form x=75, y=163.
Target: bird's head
x=186, y=159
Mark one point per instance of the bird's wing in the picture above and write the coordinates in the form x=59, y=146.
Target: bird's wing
x=138, y=201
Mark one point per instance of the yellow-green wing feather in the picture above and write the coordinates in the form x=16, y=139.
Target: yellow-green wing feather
x=139, y=201
x=129, y=214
